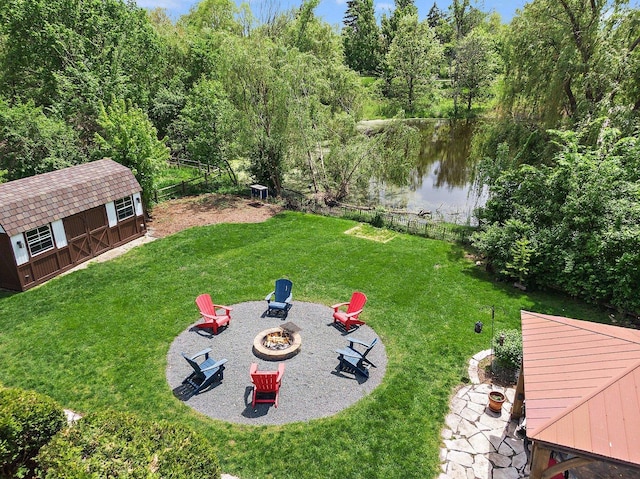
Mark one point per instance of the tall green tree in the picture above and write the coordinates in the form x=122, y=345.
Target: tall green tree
x=207, y=127
x=70, y=55
x=127, y=136
x=32, y=142
x=361, y=37
x=412, y=61
x=572, y=59
x=476, y=65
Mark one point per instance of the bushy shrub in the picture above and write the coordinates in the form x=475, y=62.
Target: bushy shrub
x=28, y=420
x=507, y=347
x=113, y=444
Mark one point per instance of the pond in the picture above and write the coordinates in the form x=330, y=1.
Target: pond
x=441, y=181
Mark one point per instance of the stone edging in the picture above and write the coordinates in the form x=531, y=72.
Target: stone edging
x=473, y=365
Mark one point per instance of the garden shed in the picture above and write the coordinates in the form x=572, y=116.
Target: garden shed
x=580, y=382
x=51, y=222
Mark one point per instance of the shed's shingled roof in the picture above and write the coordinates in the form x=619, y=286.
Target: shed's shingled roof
x=35, y=201
x=582, y=385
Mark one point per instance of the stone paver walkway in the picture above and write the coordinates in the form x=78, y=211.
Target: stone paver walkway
x=478, y=443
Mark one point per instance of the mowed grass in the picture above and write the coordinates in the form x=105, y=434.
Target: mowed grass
x=98, y=338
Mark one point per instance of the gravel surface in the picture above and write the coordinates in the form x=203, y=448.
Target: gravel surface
x=312, y=387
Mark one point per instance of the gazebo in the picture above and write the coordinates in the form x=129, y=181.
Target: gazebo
x=580, y=385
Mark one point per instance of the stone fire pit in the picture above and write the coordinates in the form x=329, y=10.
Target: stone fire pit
x=278, y=344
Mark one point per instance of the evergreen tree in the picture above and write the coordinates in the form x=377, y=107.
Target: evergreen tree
x=360, y=37
x=435, y=16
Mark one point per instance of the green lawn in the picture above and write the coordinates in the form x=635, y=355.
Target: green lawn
x=98, y=338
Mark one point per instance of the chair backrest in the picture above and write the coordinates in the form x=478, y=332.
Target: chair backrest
x=370, y=347
x=267, y=380
x=205, y=304
x=194, y=365
x=283, y=290
x=358, y=300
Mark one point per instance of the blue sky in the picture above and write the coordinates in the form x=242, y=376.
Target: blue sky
x=333, y=10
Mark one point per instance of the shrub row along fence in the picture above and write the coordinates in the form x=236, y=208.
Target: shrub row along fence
x=404, y=222
x=188, y=187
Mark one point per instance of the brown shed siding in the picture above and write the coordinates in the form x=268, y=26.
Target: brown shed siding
x=8, y=274
x=77, y=196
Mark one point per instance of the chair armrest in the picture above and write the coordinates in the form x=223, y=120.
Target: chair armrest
x=336, y=306
x=209, y=316
x=357, y=341
x=280, y=372
x=226, y=308
x=355, y=313
x=253, y=368
x=216, y=365
x=201, y=353
x=349, y=352
x=289, y=299
x=268, y=298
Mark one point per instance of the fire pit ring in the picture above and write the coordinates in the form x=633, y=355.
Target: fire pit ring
x=263, y=352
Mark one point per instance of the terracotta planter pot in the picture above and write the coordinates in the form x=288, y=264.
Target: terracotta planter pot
x=496, y=399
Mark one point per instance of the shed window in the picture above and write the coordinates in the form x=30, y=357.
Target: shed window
x=39, y=240
x=124, y=208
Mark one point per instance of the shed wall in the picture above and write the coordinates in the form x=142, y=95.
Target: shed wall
x=8, y=273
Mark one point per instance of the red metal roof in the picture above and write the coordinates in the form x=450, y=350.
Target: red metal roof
x=582, y=385
x=37, y=200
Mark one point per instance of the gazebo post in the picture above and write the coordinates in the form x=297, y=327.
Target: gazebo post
x=539, y=460
x=516, y=410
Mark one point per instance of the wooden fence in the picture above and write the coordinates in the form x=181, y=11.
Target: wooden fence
x=396, y=220
x=183, y=188
x=198, y=165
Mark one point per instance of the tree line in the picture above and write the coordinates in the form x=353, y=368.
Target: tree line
x=280, y=94
x=81, y=80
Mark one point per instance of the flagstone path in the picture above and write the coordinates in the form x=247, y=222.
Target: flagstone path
x=478, y=443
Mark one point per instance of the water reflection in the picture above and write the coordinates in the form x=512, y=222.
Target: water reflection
x=441, y=181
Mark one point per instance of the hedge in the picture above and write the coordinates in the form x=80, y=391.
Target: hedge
x=28, y=420
x=114, y=444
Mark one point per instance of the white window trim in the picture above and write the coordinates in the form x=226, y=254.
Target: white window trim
x=59, y=235
x=20, y=252
x=127, y=206
x=111, y=214
x=48, y=226
x=137, y=202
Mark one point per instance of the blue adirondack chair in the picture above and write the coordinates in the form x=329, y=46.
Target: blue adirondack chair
x=279, y=300
x=205, y=373
x=353, y=360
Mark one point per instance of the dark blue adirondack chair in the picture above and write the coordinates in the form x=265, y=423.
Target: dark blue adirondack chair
x=353, y=360
x=279, y=300
x=204, y=373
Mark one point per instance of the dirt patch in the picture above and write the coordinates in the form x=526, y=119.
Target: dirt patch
x=489, y=372
x=176, y=215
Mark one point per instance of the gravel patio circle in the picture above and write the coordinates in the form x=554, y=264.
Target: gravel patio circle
x=312, y=387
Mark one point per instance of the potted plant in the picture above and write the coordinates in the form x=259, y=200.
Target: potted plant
x=496, y=398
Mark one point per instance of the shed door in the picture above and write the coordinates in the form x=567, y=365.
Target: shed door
x=87, y=233
x=98, y=229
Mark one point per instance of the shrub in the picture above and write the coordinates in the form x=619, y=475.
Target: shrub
x=508, y=354
x=113, y=444
x=28, y=420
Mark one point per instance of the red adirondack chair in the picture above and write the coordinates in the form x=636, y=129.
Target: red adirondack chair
x=209, y=311
x=349, y=318
x=266, y=383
